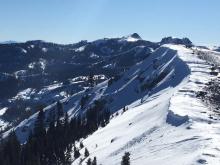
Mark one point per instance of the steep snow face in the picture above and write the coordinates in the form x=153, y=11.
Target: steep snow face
x=161, y=70
x=171, y=126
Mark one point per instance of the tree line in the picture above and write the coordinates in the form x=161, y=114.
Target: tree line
x=53, y=144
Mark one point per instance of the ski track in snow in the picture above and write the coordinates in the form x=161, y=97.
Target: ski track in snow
x=169, y=128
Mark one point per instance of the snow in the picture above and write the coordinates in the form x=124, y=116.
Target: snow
x=20, y=73
x=109, y=66
x=44, y=50
x=214, y=48
x=3, y=110
x=129, y=39
x=80, y=49
x=94, y=56
x=3, y=124
x=41, y=63
x=208, y=55
x=23, y=50
x=52, y=87
x=25, y=94
x=31, y=65
x=170, y=127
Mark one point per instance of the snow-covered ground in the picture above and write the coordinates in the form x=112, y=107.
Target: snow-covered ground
x=172, y=126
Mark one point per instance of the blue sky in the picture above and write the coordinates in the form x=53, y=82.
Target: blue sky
x=68, y=21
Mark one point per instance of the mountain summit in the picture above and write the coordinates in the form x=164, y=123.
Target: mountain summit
x=171, y=40
x=132, y=38
x=135, y=35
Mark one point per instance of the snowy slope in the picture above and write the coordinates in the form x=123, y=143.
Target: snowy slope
x=160, y=70
x=171, y=127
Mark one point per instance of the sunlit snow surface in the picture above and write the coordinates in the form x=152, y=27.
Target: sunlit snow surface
x=172, y=127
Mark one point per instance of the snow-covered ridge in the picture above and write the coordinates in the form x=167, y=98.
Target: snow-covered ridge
x=171, y=127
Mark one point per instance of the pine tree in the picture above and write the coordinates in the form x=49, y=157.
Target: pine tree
x=86, y=154
x=89, y=162
x=14, y=148
x=102, y=124
x=39, y=130
x=67, y=130
x=83, y=101
x=68, y=157
x=126, y=159
x=91, y=80
x=81, y=145
x=66, y=119
x=52, y=115
x=107, y=115
x=76, y=153
x=54, y=145
x=94, y=162
x=60, y=112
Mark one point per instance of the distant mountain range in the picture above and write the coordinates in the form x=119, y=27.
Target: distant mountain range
x=8, y=42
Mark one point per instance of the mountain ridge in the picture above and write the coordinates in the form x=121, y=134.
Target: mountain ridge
x=151, y=90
